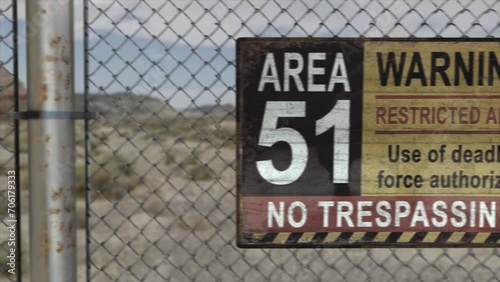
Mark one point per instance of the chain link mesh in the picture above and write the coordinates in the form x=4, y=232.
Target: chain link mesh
x=7, y=127
x=161, y=76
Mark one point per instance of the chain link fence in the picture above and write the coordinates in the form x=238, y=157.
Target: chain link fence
x=160, y=157
x=8, y=142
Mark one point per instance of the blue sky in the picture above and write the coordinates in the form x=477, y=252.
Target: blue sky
x=171, y=23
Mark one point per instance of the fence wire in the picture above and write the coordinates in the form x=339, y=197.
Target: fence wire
x=8, y=142
x=161, y=154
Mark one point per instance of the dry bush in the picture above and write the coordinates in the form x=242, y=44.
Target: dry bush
x=110, y=177
x=191, y=128
x=197, y=170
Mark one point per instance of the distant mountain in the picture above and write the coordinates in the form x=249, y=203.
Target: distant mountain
x=120, y=104
x=213, y=109
x=111, y=105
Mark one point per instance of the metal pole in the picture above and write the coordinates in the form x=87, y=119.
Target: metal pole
x=19, y=275
x=51, y=141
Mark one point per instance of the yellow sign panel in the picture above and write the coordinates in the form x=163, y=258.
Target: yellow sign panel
x=431, y=118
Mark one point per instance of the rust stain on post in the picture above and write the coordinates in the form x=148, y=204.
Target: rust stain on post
x=44, y=243
x=55, y=42
x=51, y=58
x=67, y=82
x=44, y=91
x=57, y=193
x=60, y=247
x=67, y=229
x=54, y=211
x=67, y=208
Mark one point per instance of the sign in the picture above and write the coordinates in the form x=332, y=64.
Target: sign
x=368, y=143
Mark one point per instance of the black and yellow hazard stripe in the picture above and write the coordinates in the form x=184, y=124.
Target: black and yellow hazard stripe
x=373, y=238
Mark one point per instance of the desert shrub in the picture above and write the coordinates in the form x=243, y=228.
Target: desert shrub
x=197, y=170
x=79, y=133
x=200, y=172
x=3, y=170
x=191, y=128
x=3, y=203
x=110, y=176
x=225, y=137
x=81, y=216
x=9, y=142
x=24, y=180
x=169, y=160
x=155, y=128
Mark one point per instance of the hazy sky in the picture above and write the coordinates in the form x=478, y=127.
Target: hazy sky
x=212, y=37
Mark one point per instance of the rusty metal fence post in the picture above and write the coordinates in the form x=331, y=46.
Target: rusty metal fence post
x=51, y=140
